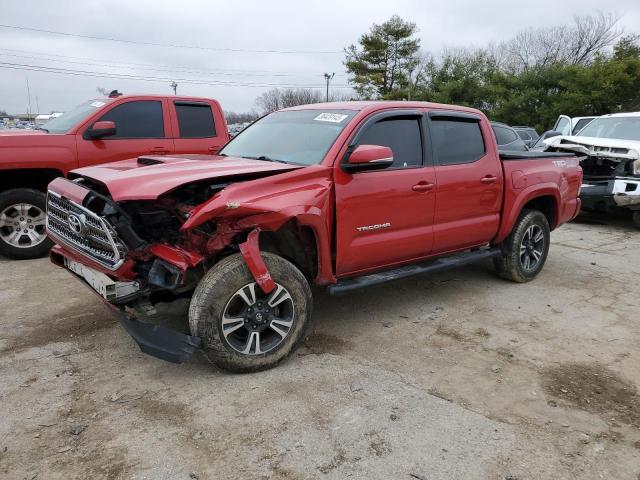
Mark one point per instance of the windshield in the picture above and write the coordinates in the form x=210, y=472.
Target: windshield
x=70, y=119
x=300, y=137
x=623, y=128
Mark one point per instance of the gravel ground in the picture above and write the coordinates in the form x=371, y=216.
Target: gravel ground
x=459, y=375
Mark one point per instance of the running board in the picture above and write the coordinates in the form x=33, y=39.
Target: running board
x=444, y=263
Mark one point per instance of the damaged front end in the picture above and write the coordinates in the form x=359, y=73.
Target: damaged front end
x=137, y=253
x=611, y=172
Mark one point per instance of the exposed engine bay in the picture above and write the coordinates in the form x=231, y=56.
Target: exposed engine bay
x=611, y=172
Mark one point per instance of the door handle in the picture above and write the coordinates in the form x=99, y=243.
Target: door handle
x=160, y=150
x=422, y=187
x=489, y=179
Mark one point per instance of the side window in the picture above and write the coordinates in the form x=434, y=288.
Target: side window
x=524, y=135
x=195, y=120
x=138, y=119
x=456, y=141
x=402, y=135
x=581, y=124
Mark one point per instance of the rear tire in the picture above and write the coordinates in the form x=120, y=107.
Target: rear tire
x=22, y=224
x=524, y=252
x=240, y=329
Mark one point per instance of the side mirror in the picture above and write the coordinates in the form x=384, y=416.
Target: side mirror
x=102, y=129
x=368, y=157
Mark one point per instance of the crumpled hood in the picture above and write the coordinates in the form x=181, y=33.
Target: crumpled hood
x=148, y=177
x=613, y=149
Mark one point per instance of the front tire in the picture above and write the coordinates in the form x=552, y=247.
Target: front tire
x=242, y=328
x=635, y=216
x=22, y=224
x=525, y=250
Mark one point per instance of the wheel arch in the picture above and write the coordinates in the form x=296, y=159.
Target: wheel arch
x=34, y=178
x=296, y=243
x=545, y=199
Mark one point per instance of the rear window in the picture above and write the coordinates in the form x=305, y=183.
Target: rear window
x=456, y=141
x=195, y=120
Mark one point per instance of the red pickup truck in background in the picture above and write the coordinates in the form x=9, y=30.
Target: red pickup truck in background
x=342, y=195
x=98, y=131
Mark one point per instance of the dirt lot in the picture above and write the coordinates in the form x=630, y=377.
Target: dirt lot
x=454, y=376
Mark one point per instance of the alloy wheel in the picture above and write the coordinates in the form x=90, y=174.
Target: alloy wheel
x=22, y=225
x=532, y=248
x=254, y=323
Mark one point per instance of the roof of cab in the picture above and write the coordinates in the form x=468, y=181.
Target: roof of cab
x=151, y=95
x=360, y=105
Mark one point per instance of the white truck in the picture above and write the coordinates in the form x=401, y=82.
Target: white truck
x=611, y=164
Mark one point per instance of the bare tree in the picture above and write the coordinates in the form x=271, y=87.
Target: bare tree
x=102, y=91
x=575, y=44
x=234, y=117
x=275, y=99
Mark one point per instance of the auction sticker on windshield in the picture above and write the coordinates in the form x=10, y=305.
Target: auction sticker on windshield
x=97, y=104
x=330, y=117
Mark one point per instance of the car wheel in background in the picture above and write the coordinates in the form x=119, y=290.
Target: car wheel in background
x=22, y=224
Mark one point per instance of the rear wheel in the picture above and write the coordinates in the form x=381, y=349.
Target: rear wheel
x=525, y=250
x=22, y=224
x=242, y=328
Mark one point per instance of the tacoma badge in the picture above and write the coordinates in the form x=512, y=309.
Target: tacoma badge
x=377, y=226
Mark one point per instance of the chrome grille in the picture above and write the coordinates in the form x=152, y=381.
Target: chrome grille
x=97, y=239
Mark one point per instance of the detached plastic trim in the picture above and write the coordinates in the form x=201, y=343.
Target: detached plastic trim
x=159, y=341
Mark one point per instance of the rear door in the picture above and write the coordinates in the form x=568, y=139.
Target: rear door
x=470, y=181
x=142, y=128
x=385, y=217
x=198, y=127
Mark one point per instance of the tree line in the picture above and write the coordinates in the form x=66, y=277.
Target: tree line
x=588, y=67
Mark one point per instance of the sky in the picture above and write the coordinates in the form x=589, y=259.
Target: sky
x=237, y=49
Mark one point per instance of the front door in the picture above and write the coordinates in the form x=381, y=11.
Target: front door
x=141, y=129
x=385, y=217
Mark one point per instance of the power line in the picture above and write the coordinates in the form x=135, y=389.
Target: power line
x=169, y=45
x=143, y=66
x=63, y=71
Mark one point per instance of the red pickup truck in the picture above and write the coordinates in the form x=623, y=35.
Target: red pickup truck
x=342, y=195
x=98, y=131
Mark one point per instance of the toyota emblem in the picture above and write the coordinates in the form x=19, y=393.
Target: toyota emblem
x=76, y=223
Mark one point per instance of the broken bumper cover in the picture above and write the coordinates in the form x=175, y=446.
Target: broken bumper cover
x=155, y=340
x=614, y=192
x=159, y=341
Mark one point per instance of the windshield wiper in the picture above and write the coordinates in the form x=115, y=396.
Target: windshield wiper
x=43, y=129
x=265, y=158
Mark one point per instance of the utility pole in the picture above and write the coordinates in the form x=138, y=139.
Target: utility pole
x=328, y=77
x=28, y=95
x=174, y=85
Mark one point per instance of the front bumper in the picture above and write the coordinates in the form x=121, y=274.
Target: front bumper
x=614, y=192
x=155, y=340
